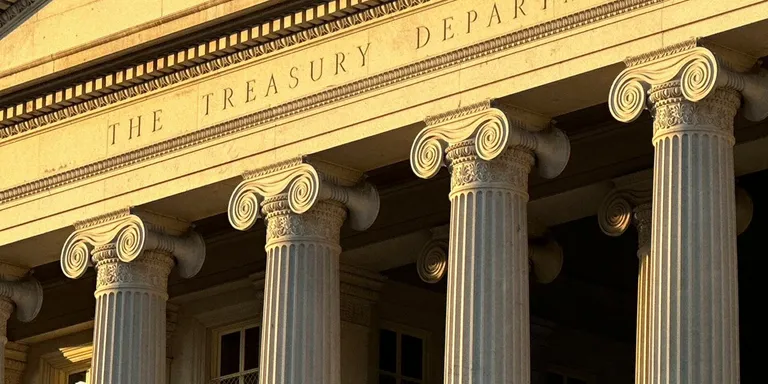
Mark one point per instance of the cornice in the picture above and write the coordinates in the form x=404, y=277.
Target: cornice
x=17, y=12
x=320, y=99
x=187, y=63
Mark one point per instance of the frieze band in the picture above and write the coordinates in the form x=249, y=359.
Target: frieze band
x=326, y=97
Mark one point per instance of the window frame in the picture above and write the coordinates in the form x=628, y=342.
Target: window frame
x=400, y=330
x=215, y=349
x=57, y=366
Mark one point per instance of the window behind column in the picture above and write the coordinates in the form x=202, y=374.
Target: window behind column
x=78, y=378
x=236, y=354
x=402, y=356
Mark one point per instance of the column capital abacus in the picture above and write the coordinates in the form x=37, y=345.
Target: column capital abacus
x=129, y=234
x=486, y=130
x=692, y=70
x=296, y=186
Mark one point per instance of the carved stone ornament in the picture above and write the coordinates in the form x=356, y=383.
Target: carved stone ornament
x=131, y=235
x=615, y=214
x=492, y=131
x=26, y=294
x=432, y=263
x=305, y=184
x=546, y=258
x=544, y=254
x=629, y=203
x=697, y=69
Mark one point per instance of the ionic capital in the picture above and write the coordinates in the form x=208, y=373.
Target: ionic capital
x=617, y=212
x=696, y=70
x=304, y=183
x=26, y=295
x=492, y=128
x=132, y=232
x=432, y=263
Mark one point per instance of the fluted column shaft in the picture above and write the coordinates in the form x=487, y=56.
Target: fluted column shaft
x=129, y=327
x=693, y=292
x=642, y=219
x=487, y=318
x=301, y=326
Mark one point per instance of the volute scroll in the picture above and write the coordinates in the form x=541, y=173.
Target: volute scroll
x=697, y=69
x=493, y=130
x=132, y=235
x=303, y=185
x=489, y=127
x=26, y=294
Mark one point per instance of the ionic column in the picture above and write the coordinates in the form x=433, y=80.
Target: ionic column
x=304, y=204
x=21, y=292
x=489, y=152
x=693, y=96
x=133, y=253
x=629, y=203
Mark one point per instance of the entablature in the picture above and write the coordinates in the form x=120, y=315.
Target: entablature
x=195, y=135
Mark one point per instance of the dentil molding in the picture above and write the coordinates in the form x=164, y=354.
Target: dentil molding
x=698, y=68
x=335, y=94
x=71, y=102
x=304, y=183
x=132, y=232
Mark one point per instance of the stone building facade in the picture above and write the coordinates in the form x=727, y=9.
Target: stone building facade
x=382, y=191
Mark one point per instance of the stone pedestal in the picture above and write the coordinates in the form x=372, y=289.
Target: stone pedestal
x=487, y=315
x=692, y=332
x=304, y=205
x=133, y=255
